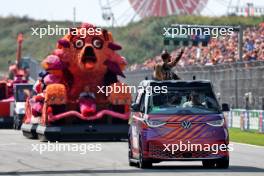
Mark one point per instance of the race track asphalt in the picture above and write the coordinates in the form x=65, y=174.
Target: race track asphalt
x=19, y=157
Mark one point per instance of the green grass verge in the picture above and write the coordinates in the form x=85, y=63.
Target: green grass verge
x=249, y=137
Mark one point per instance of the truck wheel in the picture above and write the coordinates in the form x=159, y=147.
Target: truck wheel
x=17, y=122
x=14, y=125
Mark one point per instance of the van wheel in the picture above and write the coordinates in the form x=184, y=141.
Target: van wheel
x=222, y=163
x=142, y=163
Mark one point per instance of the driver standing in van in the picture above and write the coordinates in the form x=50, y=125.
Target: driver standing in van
x=164, y=71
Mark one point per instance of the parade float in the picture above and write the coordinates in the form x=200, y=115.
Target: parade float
x=70, y=101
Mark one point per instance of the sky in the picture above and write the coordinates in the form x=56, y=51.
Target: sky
x=91, y=11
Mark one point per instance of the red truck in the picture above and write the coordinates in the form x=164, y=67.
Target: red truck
x=6, y=104
x=18, y=73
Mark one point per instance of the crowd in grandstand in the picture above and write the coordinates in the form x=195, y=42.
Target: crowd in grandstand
x=220, y=50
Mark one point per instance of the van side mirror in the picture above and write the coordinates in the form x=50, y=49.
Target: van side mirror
x=225, y=107
x=135, y=107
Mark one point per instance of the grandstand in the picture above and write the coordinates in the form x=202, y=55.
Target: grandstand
x=219, y=50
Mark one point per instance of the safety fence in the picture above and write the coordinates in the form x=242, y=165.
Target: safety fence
x=229, y=80
x=246, y=120
x=241, y=85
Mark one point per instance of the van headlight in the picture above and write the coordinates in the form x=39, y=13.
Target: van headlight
x=155, y=123
x=216, y=123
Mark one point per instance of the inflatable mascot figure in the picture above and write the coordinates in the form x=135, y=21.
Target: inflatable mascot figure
x=78, y=74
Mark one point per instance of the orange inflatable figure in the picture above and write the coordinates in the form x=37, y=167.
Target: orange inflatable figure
x=77, y=70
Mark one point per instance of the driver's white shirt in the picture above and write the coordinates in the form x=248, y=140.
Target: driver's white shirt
x=187, y=104
x=190, y=104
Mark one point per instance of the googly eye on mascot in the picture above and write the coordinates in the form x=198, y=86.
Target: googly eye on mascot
x=84, y=65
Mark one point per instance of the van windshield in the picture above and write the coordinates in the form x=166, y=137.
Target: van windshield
x=184, y=101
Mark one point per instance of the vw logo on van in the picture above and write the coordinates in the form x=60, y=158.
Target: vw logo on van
x=186, y=124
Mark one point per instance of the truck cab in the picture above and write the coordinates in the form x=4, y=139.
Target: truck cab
x=6, y=104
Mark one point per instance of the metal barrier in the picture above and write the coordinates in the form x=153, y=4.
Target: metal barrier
x=232, y=84
x=231, y=81
x=246, y=119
